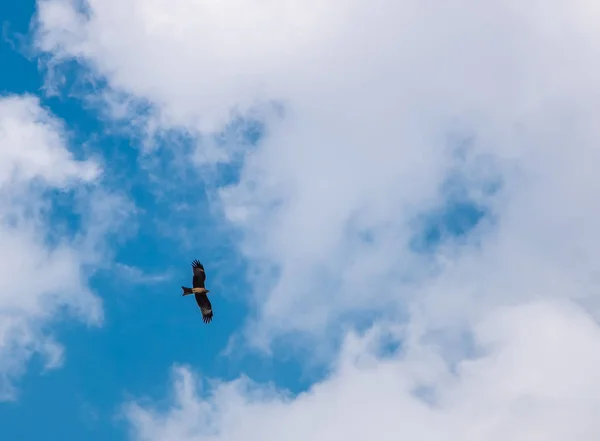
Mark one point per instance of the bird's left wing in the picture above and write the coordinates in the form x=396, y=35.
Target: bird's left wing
x=205, y=307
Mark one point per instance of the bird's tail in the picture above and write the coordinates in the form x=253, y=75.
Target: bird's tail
x=186, y=291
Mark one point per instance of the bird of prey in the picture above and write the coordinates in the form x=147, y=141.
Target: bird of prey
x=200, y=291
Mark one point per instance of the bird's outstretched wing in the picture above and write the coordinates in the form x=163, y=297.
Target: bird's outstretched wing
x=205, y=307
x=199, y=274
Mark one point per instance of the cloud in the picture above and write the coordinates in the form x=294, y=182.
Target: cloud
x=25, y=124
x=392, y=112
x=135, y=275
x=375, y=97
x=44, y=264
x=520, y=387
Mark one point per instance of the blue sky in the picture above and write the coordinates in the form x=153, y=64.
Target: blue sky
x=395, y=239
x=147, y=327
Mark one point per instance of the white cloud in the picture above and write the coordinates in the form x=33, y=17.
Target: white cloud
x=373, y=93
x=42, y=270
x=34, y=147
x=536, y=380
x=136, y=275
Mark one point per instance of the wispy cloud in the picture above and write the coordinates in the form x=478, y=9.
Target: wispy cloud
x=42, y=271
x=138, y=276
x=520, y=388
x=329, y=202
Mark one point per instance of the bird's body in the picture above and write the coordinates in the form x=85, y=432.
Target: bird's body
x=199, y=291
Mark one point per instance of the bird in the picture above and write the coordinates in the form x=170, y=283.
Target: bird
x=200, y=291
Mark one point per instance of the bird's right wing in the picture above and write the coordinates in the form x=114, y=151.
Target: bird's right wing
x=199, y=274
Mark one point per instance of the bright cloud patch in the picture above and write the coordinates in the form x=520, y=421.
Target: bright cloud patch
x=355, y=170
x=520, y=388
x=42, y=270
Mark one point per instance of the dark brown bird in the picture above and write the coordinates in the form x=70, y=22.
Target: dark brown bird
x=200, y=291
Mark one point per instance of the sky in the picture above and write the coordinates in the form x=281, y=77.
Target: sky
x=395, y=203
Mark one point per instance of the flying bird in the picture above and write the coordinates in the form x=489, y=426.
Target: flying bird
x=200, y=291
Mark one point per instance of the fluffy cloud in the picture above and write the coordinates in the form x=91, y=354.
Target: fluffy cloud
x=537, y=379
x=391, y=112
x=42, y=268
